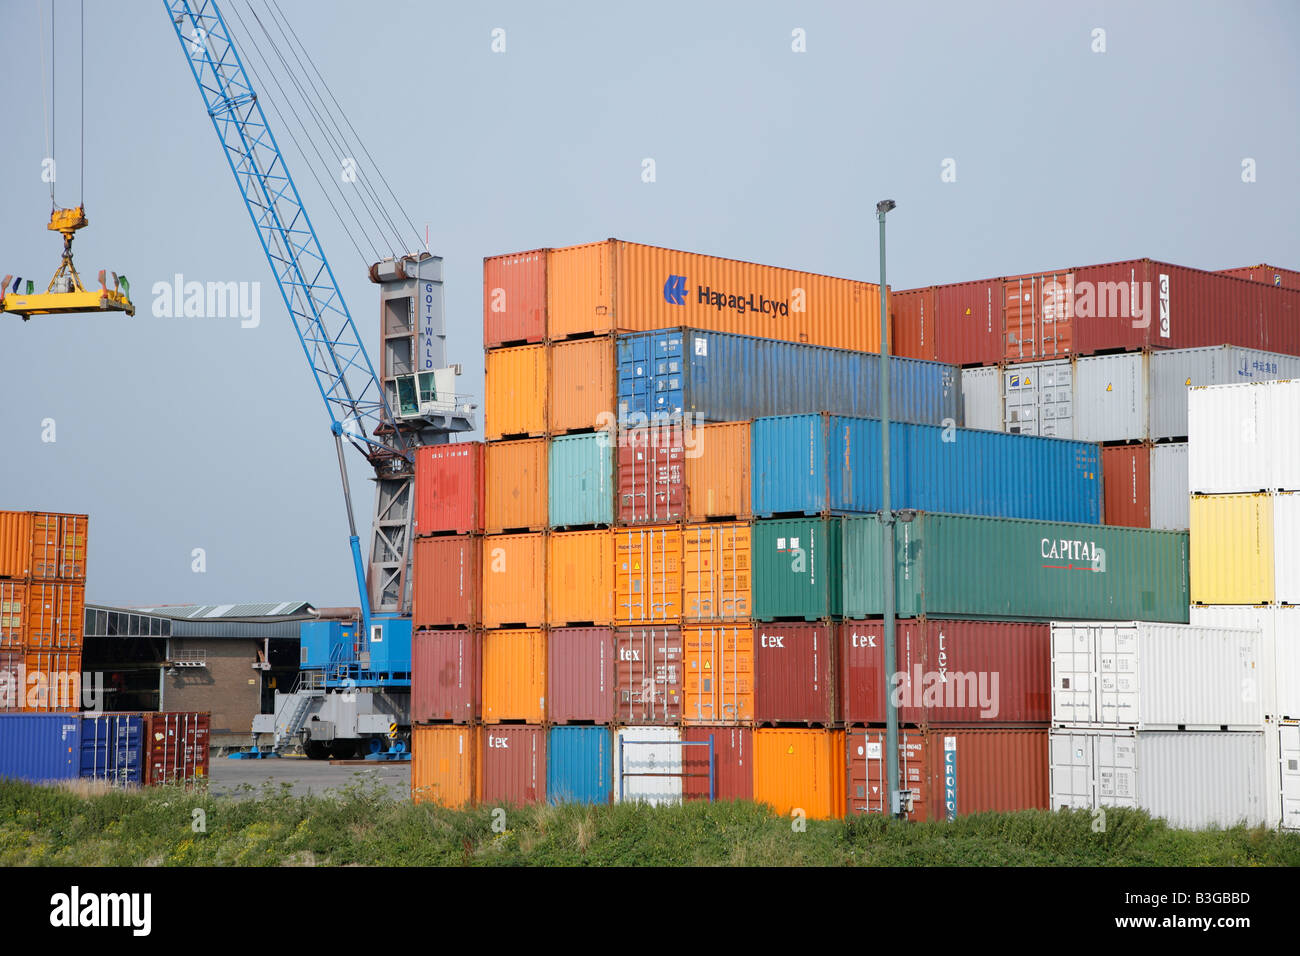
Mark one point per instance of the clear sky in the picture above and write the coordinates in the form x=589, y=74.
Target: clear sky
x=176, y=434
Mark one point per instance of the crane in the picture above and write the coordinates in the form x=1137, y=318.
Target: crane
x=384, y=421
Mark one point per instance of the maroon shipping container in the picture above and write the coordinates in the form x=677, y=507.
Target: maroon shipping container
x=951, y=772
x=448, y=582
x=794, y=668
x=911, y=323
x=968, y=322
x=1126, y=481
x=514, y=298
x=733, y=765
x=580, y=672
x=177, y=747
x=949, y=672
x=512, y=765
x=649, y=675
x=446, y=677
x=651, y=475
x=1269, y=275
x=449, y=488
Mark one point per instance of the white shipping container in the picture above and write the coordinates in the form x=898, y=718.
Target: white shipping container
x=1242, y=438
x=1110, y=397
x=1286, y=759
x=1286, y=545
x=1170, y=495
x=1149, y=676
x=981, y=392
x=1174, y=371
x=1038, y=398
x=1279, y=649
x=1192, y=779
x=653, y=751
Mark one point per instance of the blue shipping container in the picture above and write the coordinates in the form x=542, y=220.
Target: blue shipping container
x=579, y=765
x=112, y=747
x=816, y=464
x=721, y=377
x=40, y=747
x=580, y=480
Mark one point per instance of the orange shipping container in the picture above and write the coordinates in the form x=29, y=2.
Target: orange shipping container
x=516, y=485
x=616, y=286
x=443, y=770
x=58, y=546
x=800, y=769
x=514, y=676
x=514, y=580
x=515, y=382
x=52, y=682
x=648, y=572
x=716, y=572
x=55, y=615
x=583, y=390
x=580, y=578
x=719, y=664
x=15, y=544
x=717, y=471
x=13, y=614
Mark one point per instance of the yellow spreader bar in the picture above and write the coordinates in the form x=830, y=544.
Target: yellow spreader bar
x=61, y=303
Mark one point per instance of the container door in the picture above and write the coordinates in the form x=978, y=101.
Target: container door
x=1117, y=680
x=1115, y=769
x=1020, y=391
x=1289, y=745
x=1056, y=400
x=1072, y=674
x=1072, y=756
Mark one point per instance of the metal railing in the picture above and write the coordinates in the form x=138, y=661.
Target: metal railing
x=623, y=773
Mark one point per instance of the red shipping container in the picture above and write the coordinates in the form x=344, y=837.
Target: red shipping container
x=948, y=672
x=446, y=676
x=177, y=747
x=580, y=672
x=1126, y=478
x=911, y=318
x=448, y=582
x=1268, y=275
x=650, y=675
x=449, y=489
x=794, y=670
x=733, y=763
x=952, y=772
x=512, y=765
x=968, y=322
x=651, y=475
x=514, y=298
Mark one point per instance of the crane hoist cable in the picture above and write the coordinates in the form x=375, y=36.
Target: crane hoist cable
x=65, y=292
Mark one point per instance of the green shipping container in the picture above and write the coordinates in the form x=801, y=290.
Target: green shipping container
x=796, y=569
x=580, y=481
x=961, y=566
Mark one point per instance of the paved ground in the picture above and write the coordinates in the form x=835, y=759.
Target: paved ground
x=234, y=777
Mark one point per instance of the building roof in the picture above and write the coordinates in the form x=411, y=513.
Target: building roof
x=235, y=621
x=244, y=612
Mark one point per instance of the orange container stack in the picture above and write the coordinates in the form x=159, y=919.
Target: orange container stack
x=42, y=610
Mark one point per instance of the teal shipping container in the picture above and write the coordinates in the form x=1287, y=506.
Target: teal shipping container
x=579, y=765
x=796, y=569
x=580, y=481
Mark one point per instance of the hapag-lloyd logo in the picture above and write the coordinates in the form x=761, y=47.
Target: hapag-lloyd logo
x=675, y=293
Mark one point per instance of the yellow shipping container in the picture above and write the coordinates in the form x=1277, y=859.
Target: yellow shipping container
x=717, y=471
x=800, y=770
x=648, y=573
x=443, y=768
x=718, y=662
x=616, y=286
x=580, y=577
x=516, y=485
x=584, y=392
x=514, y=580
x=514, y=676
x=716, y=572
x=516, y=393
x=1232, y=549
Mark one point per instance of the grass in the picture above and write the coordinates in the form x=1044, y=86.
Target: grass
x=93, y=825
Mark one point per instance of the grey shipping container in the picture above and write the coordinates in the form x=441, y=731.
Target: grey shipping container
x=1170, y=494
x=1173, y=372
x=1110, y=397
x=1038, y=398
x=981, y=394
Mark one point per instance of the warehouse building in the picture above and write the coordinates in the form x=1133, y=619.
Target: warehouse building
x=227, y=659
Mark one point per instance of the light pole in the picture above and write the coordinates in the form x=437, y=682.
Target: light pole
x=887, y=527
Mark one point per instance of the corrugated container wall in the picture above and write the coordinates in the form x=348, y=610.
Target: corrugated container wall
x=1156, y=676
x=616, y=286
x=113, y=748
x=644, y=759
x=54, y=680
x=1279, y=627
x=1176, y=371
x=58, y=546
x=514, y=298
x=516, y=392
x=1232, y=549
x=794, y=674
x=968, y=322
x=1240, y=438
x=448, y=582
x=516, y=485
x=580, y=485
x=800, y=769
x=40, y=747
x=514, y=676
x=580, y=674
x=1170, y=500
x=579, y=765
x=55, y=616
x=1127, y=471
x=449, y=488
x=514, y=580
x=651, y=489
x=981, y=391
x=178, y=747
x=512, y=765
x=650, y=675
x=733, y=763
x=446, y=676
x=15, y=544
x=443, y=767
x=911, y=323
x=716, y=572
x=717, y=377
x=1269, y=275
x=796, y=565
x=1043, y=571
x=717, y=471
x=1111, y=400
x=582, y=385
x=580, y=577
